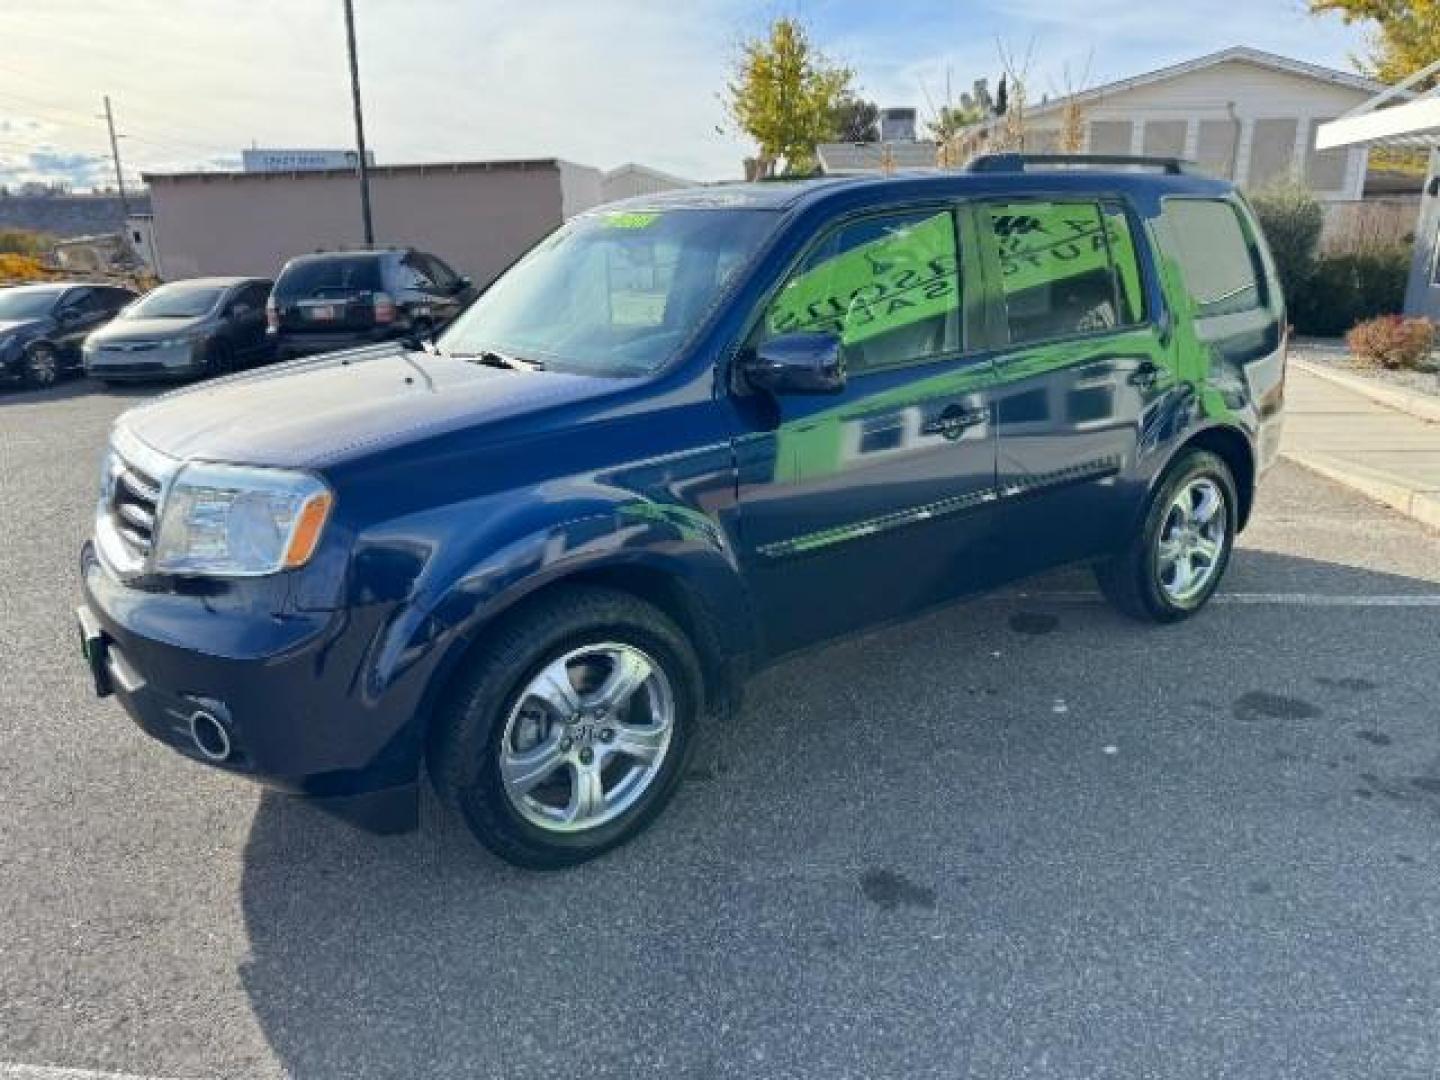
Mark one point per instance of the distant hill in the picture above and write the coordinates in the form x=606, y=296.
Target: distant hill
x=68, y=215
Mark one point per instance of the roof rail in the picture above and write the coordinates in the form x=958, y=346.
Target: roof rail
x=1017, y=163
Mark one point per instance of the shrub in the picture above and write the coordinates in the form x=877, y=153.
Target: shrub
x=1291, y=218
x=1393, y=341
x=1346, y=289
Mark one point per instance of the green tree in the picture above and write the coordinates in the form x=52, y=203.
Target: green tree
x=783, y=94
x=1407, y=33
x=950, y=120
x=856, y=121
x=1292, y=220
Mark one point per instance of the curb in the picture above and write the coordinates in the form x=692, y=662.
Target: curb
x=1421, y=504
x=1421, y=406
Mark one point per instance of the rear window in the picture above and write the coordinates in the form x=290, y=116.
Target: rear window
x=1221, y=266
x=329, y=277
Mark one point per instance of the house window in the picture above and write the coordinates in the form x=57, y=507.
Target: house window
x=1271, y=151
x=1215, y=147
x=1165, y=138
x=1325, y=169
x=1110, y=136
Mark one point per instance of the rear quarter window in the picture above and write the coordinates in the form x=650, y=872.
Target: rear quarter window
x=1219, y=262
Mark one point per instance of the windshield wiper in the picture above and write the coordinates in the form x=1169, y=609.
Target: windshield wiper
x=491, y=358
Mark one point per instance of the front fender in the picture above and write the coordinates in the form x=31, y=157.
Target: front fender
x=454, y=586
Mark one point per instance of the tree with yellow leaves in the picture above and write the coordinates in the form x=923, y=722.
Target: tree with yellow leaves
x=1407, y=33
x=784, y=94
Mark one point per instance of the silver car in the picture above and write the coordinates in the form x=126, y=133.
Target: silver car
x=202, y=326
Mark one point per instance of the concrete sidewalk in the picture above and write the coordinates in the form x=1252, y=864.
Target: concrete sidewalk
x=1388, y=454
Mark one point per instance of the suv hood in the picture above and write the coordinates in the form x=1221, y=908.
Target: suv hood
x=311, y=413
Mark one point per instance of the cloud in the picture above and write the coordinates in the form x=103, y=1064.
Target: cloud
x=596, y=81
x=49, y=166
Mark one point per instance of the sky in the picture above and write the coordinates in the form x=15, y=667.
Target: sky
x=599, y=82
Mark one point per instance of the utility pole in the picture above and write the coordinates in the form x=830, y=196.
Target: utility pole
x=115, y=153
x=362, y=165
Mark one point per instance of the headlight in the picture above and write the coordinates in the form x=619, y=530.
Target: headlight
x=233, y=521
x=185, y=341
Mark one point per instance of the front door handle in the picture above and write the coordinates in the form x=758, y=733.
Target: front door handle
x=954, y=422
x=1145, y=375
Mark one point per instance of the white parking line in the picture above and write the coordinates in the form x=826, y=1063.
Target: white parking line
x=1399, y=600
x=10, y=1071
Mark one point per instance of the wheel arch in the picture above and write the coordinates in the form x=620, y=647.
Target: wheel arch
x=1232, y=446
x=723, y=662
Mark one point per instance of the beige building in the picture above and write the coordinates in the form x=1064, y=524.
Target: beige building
x=1242, y=114
x=476, y=215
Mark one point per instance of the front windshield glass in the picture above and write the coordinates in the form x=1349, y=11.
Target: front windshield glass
x=175, y=302
x=611, y=292
x=26, y=303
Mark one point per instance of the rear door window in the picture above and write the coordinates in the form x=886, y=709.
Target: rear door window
x=1220, y=264
x=1065, y=268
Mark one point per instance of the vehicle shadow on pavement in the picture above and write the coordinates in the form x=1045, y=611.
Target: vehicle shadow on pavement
x=1013, y=806
x=18, y=394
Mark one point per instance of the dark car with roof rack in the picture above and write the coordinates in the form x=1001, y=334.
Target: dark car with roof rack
x=339, y=299
x=681, y=438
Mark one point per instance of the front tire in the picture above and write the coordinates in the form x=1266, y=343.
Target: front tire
x=1174, y=564
x=42, y=365
x=570, y=731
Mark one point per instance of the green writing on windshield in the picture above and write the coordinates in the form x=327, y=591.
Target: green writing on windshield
x=631, y=219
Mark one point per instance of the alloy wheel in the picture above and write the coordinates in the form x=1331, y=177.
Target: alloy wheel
x=586, y=737
x=42, y=366
x=1192, y=540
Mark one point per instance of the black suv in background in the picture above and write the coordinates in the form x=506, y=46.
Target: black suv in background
x=339, y=299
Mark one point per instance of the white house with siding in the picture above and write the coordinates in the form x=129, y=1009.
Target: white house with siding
x=631, y=179
x=1243, y=114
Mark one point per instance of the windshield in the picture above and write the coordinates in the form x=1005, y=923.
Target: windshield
x=27, y=303
x=611, y=293
x=176, y=302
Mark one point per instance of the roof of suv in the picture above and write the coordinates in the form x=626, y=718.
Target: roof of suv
x=787, y=195
x=352, y=253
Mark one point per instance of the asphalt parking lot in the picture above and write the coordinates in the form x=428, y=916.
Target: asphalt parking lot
x=1019, y=838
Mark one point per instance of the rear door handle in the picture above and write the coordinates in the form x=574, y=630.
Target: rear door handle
x=954, y=422
x=1144, y=375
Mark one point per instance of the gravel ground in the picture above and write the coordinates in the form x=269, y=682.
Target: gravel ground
x=1019, y=838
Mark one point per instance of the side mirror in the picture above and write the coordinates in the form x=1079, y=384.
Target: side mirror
x=801, y=363
x=66, y=316
x=462, y=283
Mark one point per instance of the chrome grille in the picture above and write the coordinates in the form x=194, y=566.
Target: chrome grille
x=129, y=511
x=135, y=499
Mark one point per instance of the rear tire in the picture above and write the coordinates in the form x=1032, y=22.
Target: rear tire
x=1174, y=564
x=510, y=723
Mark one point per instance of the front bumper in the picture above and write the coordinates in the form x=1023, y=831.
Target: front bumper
x=285, y=690
x=169, y=362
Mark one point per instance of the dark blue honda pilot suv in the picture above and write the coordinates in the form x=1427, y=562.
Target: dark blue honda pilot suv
x=682, y=437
